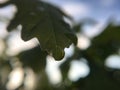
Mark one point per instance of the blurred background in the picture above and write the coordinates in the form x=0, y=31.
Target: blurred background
x=94, y=64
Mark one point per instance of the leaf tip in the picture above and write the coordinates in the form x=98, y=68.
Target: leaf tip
x=58, y=53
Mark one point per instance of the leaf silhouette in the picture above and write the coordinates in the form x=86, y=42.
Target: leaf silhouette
x=46, y=22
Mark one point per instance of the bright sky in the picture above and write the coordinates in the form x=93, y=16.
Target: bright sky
x=98, y=9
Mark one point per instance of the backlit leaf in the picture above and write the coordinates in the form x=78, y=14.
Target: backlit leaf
x=46, y=23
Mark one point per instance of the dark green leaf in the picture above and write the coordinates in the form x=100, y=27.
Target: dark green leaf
x=44, y=21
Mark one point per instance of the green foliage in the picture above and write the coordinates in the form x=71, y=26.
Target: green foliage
x=105, y=44
x=34, y=58
x=46, y=22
